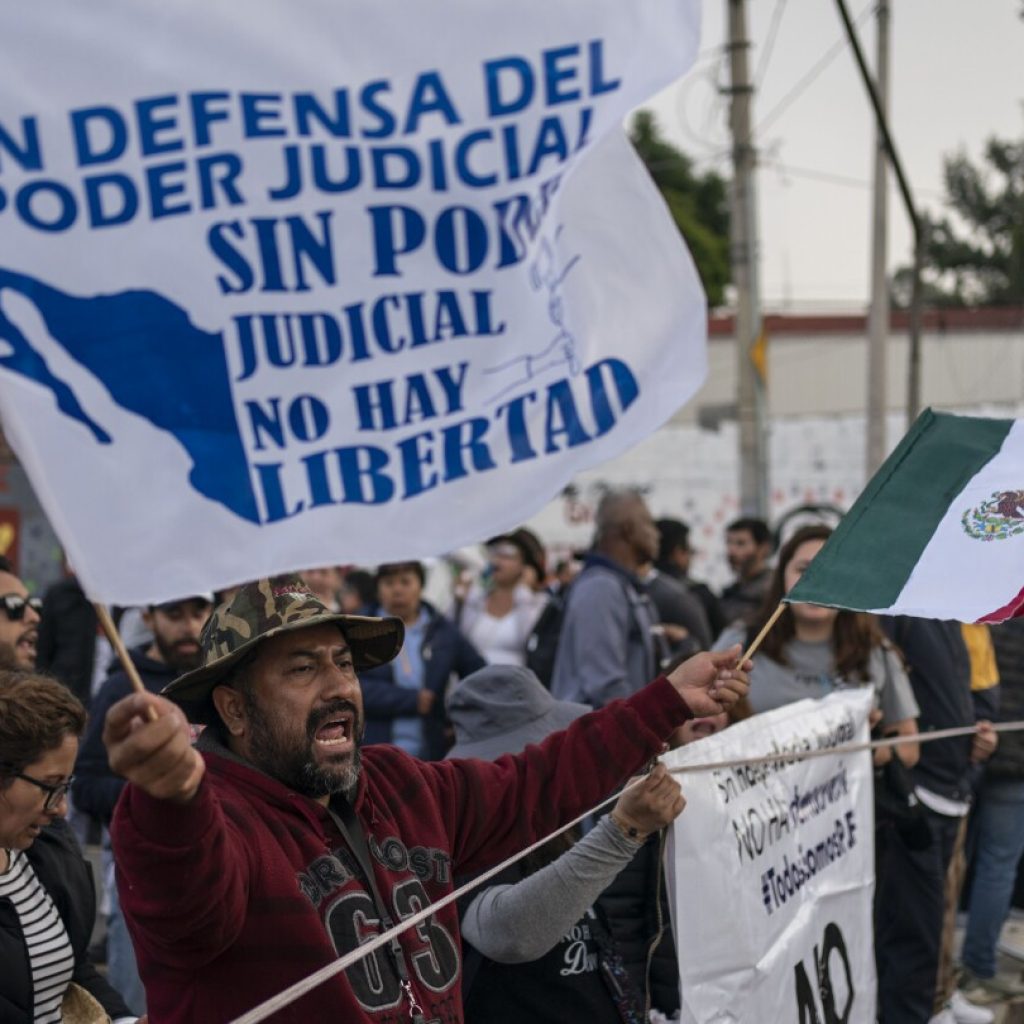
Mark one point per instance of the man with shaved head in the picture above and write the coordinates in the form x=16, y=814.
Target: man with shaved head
x=608, y=648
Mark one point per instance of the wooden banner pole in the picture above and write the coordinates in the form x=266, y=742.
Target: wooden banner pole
x=750, y=651
x=122, y=653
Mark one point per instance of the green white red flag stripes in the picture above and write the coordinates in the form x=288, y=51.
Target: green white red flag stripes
x=939, y=530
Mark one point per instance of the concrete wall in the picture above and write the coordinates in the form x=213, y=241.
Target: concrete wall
x=826, y=372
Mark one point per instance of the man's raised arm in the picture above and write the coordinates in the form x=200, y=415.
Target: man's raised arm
x=497, y=808
x=187, y=864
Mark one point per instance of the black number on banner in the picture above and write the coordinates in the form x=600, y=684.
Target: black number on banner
x=437, y=966
x=832, y=942
x=350, y=922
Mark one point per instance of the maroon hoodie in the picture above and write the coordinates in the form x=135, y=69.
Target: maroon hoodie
x=249, y=887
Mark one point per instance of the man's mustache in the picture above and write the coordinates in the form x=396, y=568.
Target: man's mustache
x=336, y=707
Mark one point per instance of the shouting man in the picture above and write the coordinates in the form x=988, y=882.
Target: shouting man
x=279, y=845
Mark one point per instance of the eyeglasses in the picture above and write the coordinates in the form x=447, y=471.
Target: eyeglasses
x=54, y=794
x=14, y=605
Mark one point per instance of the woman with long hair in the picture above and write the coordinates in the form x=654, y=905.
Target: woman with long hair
x=47, y=901
x=812, y=650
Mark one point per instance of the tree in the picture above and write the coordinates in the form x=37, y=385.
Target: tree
x=974, y=255
x=699, y=204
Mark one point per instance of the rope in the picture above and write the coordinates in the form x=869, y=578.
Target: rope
x=307, y=984
x=300, y=988
x=849, y=748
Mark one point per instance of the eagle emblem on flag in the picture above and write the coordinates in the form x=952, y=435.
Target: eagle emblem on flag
x=998, y=518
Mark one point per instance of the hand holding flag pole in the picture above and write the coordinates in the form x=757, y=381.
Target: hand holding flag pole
x=122, y=653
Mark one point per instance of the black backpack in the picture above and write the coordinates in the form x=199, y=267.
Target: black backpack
x=542, y=643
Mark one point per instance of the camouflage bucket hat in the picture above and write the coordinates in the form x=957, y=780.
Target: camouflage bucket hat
x=263, y=609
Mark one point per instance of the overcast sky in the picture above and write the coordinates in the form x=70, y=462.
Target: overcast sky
x=957, y=78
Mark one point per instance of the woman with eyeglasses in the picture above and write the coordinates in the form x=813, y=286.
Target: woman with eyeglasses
x=47, y=900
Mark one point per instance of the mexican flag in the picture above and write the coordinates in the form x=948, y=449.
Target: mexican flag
x=938, y=532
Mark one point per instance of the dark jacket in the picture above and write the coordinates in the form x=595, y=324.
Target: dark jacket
x=712, y=606
x=635, y=906
x=677, y=606
x=1008, y=639
x=709, y=602
x=742, y=600
x=940, y=674
x=445, y=651
x=64, y=874
x=67, y=637
x=96, y=788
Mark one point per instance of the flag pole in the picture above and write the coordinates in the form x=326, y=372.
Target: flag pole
x=122, y=653
x=750, y=651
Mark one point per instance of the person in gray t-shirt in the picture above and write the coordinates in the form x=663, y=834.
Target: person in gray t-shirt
x=810, y=671
x=812, y=651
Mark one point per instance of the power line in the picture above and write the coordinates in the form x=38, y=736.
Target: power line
x=828, y=177
x=714, y=109
x=811, y=173
x=769, y=45
x=833, y=178
x=708, y=76
x=830, y=55
x=703, y=69
x=710, y=51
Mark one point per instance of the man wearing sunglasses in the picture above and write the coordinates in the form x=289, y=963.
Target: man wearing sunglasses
x=19, y=620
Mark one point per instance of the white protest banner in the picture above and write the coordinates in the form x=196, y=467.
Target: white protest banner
x=350, y=280
x=771, y=870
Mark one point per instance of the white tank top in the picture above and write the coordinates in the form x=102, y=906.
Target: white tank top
x=499, y=641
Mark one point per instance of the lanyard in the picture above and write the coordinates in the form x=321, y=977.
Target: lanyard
x=349, y=826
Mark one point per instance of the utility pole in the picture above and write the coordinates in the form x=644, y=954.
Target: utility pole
x=878, y=317
x=918, y=224
x=916, y=304
x=750, y=400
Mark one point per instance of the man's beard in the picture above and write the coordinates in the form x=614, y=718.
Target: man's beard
x=179, y=660
x=10, y=660
x=743, y=567
x=15, y=657
x=294, y=764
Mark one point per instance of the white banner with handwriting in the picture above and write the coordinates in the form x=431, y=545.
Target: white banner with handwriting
x=772, y=870
x=347, y=281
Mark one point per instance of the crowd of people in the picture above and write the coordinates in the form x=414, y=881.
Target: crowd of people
x=319, y=756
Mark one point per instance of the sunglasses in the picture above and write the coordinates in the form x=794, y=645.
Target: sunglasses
x=54, y=793
x=14, y=606
x=505, y=551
